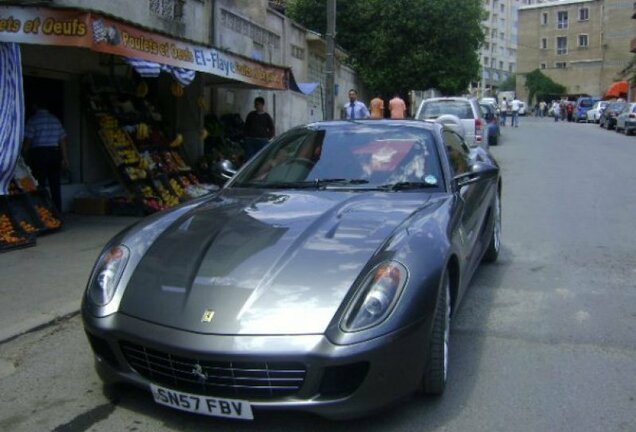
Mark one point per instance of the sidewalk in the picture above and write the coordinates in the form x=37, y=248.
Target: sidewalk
x=41, y=283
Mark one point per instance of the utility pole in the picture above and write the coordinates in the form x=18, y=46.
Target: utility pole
x=330, y=89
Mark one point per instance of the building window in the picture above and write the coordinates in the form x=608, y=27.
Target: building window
x=298, y=52
x=167, y=9
x=502, y=8
x=511, y=67
x=562, y=19
x=561, y=45
x=583, y=41
x=493, y=62
x=486, y=45
x=542, y=66
x=544, y=18
x=560, y=65
x=485, y=61
x=502, y=35
x=544, y=43
x=584, y=14
x=501, y=65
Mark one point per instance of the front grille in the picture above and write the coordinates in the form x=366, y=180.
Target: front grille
x=255, y=380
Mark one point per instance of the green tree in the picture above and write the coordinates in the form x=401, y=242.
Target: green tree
x=542, y=86
x=400, y=45
x=509, y=84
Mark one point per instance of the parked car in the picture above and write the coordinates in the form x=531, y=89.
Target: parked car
x=583, y=105
x=522, y=108
x=491, y=116
x=467, y=109
x=626, y=119
x=490, y=100
x=322, y=277
x=611, y=111
x=594, y=114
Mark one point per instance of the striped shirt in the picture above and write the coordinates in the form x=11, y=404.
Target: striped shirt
x=44, y=130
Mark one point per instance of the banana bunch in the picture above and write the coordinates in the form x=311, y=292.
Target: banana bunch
x=135, y=173
x=147, y=192
x=177, y=141
x=143, y=132
x=142, y=89
x=176, y=89
x=177, y=188
x=167, y=198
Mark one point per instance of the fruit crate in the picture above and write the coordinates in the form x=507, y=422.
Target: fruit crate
x=46, y=211
x=23, y=212
x=12, y=236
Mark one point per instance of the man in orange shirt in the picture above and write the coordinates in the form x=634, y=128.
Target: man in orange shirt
x=377, y=107
x=397, y=107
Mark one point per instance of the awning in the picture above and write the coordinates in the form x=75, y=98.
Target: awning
x=68, y=27
x=148, y=69
x=618, y=89
x=304, y=88
x=11, y=112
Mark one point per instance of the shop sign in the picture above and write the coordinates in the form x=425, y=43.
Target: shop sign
x=64, y=27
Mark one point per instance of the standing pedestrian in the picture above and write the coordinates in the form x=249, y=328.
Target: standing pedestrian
x=258, y=129
x=46, y=148
x=542, y=106
x=354, y=109
x=377, y=107
x=503, y=111
x=397, y=107
x=514, y=107
x=556, y=110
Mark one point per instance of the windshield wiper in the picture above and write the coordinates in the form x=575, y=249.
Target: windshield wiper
x=277, y=185
x=407, y=185
x=340, y=181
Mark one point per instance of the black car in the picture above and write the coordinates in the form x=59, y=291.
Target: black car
x=322, y=277
x=609, y=114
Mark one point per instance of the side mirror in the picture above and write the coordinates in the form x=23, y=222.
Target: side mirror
x=478, y=171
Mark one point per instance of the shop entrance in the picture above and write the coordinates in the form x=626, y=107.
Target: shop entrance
x=47, y=91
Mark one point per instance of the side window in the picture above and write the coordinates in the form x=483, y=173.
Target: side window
x=458, y=152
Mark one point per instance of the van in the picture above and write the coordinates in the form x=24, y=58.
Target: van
x=465, y=108
x=583, y=105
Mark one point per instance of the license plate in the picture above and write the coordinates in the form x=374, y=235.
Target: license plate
x=212, y=406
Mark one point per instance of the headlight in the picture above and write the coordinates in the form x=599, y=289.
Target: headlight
x=106, y=275
x=375, y=299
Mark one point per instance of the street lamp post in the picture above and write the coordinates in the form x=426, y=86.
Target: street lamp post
x=330, y=72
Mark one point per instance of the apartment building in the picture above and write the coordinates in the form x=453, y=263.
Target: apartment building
x=499, y=51
x=581, y=44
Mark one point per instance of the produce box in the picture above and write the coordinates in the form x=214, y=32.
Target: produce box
x=48, y=214
x=23, y=212
x=12, y=236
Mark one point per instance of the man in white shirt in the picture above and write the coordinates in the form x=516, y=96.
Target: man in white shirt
x=354, y=109
x=515, y=105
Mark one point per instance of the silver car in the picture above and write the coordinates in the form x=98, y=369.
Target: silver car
x=320, y=278
x=466, y=108
x=626, y=119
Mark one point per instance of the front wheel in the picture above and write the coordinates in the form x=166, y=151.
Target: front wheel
x=436, y=372
x=492, y=253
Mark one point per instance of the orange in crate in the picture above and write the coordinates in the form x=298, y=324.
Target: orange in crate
x=47, y=217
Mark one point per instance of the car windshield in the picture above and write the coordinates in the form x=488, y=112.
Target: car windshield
x=434, y=109
x=585, y=103
x=346, y=155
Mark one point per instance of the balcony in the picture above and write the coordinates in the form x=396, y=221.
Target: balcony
x=632, y=46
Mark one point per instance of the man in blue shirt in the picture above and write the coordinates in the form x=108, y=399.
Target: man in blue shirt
x=45, y=147
x=354, y=109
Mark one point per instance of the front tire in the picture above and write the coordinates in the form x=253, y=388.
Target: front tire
x=436, y=372
x=492, y=253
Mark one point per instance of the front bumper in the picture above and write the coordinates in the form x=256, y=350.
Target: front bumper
x=338, y=381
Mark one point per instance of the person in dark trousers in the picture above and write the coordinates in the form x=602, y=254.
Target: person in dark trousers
x=258, y=129
x=46, y=149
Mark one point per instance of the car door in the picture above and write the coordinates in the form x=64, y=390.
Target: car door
x=473, y=199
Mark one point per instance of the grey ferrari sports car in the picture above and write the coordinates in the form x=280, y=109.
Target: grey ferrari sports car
x=322, y=277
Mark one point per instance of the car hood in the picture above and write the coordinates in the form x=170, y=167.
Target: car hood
x=263, y=262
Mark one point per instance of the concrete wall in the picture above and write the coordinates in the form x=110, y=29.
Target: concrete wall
x=138, y=11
